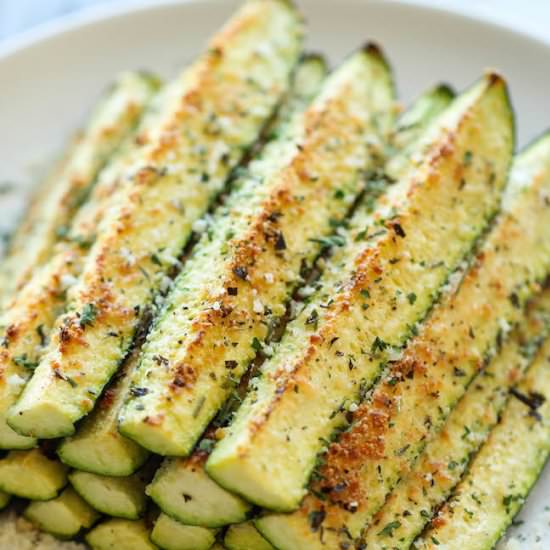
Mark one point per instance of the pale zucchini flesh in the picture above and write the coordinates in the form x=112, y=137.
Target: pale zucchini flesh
x=112, y=120
x=412, y=504
x=377, y=289
x=181, y=486
x=244, y=536
x=224, y=100
x=243, y=273
x=503, y=472
x=27, y=321
x=32, y=474
x=183, y=490
x=168, y=534
x=120, y=534
x=121, y=497
x=64, y=517
x=98, y=446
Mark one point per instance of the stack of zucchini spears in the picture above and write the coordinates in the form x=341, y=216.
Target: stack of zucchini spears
x=258, y=307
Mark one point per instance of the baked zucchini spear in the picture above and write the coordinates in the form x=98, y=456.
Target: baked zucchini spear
x=97, y=446
x=120, y=534
x=219, y=106
x=168, y=534
x=181, y=486
x=120, y=497
x=64, y=516
x=419, y=390
x=377, y=286
x=110, y=122
x=442, y=463
x=244, y=536
x=237, y=282
x=28, y=319
x=32, y=474
x=503, y=472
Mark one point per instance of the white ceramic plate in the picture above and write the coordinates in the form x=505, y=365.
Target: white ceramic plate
x=50, y=77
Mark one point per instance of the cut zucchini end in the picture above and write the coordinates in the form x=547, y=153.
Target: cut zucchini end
x=64, y=517
x=11, y=440
x=30, y=474
x=158, y=438
x=228, y=473
x=245, y=536
x=106, y=455
x=43, y=420
x=120, y=533
x=282, y=533
x=185, y=492
x=115, y=496
x=5, y=499
x=172, y=535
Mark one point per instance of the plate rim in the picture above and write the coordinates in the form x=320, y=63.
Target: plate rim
x=100, y=13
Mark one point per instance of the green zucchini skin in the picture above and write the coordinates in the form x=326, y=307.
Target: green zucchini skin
x=504, y=471
x=216, y=110
x=269, y=451
x=207, y=503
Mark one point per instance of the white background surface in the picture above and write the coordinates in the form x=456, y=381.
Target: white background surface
x=530, y=16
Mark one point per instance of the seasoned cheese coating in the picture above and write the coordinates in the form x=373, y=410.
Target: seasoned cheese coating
x=98, y=446
x=446, y=456
x=419, y=390
x=378, y=286
x=210, y=505
x=502, y=473
x=112, y=120
x=244, y=270
x=225, y=99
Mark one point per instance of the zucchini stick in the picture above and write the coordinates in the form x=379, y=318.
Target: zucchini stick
x=244, y=536
x=168, y=534
x=383, y=280
x=224, y=100
x=237, y=282
x=205, y=502
x=501, y=475
x=419, y=494
x=97, y=445
x=64, y=516
x=421, y=388
x=32, y=474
